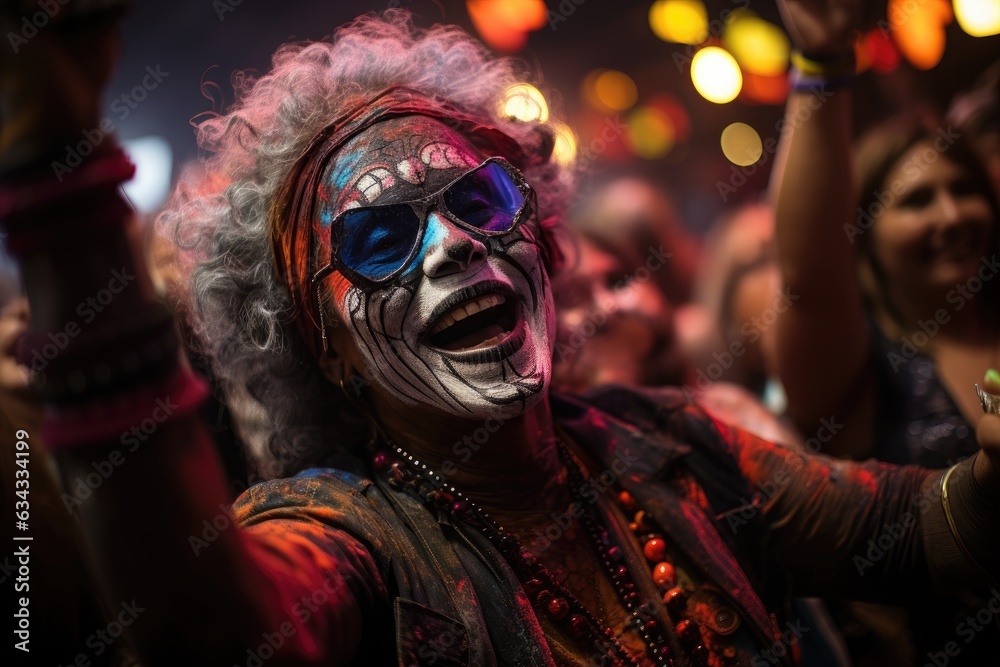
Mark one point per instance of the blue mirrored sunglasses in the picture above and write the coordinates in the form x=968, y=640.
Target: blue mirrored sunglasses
x=374, y=244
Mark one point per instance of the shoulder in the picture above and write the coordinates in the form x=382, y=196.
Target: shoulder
x=734, y=405
x=319, y=493
x=666, y=409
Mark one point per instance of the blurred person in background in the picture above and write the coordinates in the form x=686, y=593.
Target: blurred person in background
x=623, y=308
x=625, y=279
x=976, y=115
x=739, y=289
x=638, y=265
x=893, y=259
x=633, y=220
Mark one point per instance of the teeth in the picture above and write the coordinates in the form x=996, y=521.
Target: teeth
x=459, y=313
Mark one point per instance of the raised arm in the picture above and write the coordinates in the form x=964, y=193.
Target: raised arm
x=137, y=467
x=823, y=346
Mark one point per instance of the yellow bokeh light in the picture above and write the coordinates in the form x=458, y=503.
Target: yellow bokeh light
x=681, y=21
x=741, y=144
x=716, y=75
x=615, y=90
x=650, y=132
x=979, y=18
x=525, y=103
x=564, y=150
x=759, y=46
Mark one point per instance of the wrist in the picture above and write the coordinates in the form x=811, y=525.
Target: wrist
x=822, y=73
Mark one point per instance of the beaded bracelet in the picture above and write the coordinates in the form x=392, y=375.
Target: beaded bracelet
x=821, y=74
x=128, y=417
x=124, y=355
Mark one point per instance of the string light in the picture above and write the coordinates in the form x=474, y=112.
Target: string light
x=716, y=75
x=741, y=144
x=918, y=29
x=616, y=90
x=525, y=103
x=759, y=47
x=681, y=21
x=505, y=24
x=564, y=150
x=650, y=132
x=979, y=18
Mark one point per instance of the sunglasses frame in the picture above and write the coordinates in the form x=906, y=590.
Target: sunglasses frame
x=422, y=208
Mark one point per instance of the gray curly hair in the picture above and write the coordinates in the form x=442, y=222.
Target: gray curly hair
x=284, y=410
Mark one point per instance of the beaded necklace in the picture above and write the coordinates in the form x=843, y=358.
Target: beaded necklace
x=546, y=591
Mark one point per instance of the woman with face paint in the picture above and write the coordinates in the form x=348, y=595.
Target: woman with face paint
x=371, y=245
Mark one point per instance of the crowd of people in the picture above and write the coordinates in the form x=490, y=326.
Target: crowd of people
x=382, y=390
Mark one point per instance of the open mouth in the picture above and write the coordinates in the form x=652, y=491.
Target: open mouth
x=479, y=323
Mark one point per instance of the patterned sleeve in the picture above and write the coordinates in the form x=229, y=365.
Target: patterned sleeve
x=843, y=528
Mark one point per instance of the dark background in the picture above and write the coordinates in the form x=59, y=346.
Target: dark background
x=198, y=43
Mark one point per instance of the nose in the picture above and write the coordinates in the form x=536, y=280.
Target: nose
x=949, y=207
x=449, y=249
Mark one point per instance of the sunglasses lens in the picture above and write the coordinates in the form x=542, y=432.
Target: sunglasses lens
x=377, y=241
x=488, y=199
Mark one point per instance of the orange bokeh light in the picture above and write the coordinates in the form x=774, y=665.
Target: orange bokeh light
x=505, y=24
x=918, y=29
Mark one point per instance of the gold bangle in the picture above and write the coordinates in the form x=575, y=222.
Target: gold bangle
x=834, y=68
x=951, y=520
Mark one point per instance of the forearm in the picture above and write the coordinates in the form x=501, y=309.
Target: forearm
x=961, y=536
x=843, y=529
x=813, y=199
x=138, y=468
x=163, y=539
x=812, y=191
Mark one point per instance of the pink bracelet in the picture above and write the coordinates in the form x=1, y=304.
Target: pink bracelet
x=82, y=202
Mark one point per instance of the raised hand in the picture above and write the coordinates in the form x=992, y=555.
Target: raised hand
x=821, y=27
x=988, y=436
x=51, y=78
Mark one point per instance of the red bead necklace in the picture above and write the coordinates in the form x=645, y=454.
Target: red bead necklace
x=546, y=592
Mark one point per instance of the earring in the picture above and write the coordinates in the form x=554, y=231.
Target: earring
x=322, y=329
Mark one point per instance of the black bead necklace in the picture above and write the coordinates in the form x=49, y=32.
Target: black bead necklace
x=543, y=588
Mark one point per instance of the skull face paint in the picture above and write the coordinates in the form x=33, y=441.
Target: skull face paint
x=466, y=327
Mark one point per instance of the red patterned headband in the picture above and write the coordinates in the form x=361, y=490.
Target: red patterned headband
x=292, y=212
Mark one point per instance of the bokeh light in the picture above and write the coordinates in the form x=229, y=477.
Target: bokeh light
x=877, y=51
x=679, y=118
x=979, y=18
x=615, y=90
x=760, y=47
x=564, y=150
x=681, y=21
x=525, y=103
x=505, y=24
x=609, y=91
x=918, y=29
x=651, y=133
x=741, y=144
x=716, y=75
x=154, y=163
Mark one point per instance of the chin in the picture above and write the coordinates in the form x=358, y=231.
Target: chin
x=482, y=350
x=502, y=376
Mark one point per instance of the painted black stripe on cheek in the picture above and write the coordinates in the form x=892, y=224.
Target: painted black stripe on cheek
x=435, y=393
x=368, y=344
